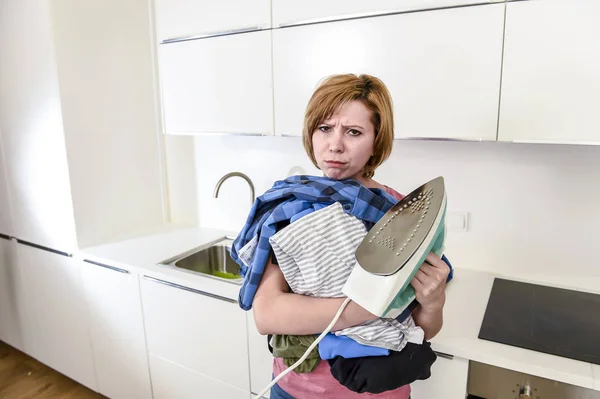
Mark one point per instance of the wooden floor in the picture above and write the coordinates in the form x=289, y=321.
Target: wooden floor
x=22, y=377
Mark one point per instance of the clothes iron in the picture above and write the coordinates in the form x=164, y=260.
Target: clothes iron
x=395, y=248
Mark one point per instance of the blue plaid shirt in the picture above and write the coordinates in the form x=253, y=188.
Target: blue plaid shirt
x=289, y=200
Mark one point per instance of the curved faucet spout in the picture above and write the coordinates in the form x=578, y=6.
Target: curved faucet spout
x=232, y=174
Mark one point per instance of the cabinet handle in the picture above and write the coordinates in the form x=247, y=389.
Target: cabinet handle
x=474, y=139
x=444, y=355
x=116, y=269
x=195, y=291
x=568, y=142
x=211, y=34
x=37, y=246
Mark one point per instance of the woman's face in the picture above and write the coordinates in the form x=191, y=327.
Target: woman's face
x=344, y=143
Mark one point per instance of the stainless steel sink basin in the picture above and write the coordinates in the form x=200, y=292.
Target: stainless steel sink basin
x=211, y=260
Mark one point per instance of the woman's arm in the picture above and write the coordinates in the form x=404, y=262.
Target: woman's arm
x=277, y=311
x=430, y=284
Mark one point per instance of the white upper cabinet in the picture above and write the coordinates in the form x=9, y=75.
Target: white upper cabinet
x=31, y=125
x=184, y=18
x=218, y=85
x=442, y=68
x=551, y=74
x=286, y=12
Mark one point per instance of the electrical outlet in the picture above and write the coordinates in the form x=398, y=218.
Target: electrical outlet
x=457, y=221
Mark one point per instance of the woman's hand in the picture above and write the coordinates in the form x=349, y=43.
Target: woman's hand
x=430, y=283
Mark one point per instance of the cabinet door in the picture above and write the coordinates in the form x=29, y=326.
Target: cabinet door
x=196, y=330
x=551, y=74
x=261, y=359
x=441, y=67
x=170, y=380
x=218, y=85
x=31, y=124
x=6, y=225
x=183, y=18
x=11, y=295
x=55, y=325
x=448, y=380
x=287, y=12
x=117, y=332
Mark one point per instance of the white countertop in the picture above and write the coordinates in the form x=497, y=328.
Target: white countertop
x=467, y=297
x=466, y=301
x=142, y=255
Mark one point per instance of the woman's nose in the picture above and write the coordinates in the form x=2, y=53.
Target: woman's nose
x=336, y=142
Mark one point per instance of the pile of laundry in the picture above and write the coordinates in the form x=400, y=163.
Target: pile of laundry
x=311, y=226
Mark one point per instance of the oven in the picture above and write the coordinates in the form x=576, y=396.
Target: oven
x=491, y=382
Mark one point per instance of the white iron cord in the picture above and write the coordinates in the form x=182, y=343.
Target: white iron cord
x=310, y=348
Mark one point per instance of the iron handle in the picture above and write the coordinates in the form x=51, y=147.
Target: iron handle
x=195, y=291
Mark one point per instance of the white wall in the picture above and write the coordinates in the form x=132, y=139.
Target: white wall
x=533, y=208
x=105, y=61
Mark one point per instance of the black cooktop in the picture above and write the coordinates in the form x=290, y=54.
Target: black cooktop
x=545, y=319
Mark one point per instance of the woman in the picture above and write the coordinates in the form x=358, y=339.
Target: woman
x=348, y=133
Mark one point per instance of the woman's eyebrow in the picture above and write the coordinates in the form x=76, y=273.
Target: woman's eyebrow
x=353, y=126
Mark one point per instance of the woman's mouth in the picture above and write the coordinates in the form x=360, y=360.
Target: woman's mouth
x=335, y=164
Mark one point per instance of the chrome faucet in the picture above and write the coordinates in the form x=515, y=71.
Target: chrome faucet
x=231, y=174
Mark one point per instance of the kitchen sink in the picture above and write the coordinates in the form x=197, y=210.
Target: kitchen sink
x=211, y=260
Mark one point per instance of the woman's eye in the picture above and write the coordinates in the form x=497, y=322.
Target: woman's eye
x=324, y=129
x=354, y=132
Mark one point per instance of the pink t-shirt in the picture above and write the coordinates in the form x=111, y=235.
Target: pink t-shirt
x=319, y=383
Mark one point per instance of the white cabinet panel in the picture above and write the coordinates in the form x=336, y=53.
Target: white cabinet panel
x=31, y=124
x=6, y=224
x=182, y=18
x=448, y=380
x=441, y=67
x=12, y=295
x=117, y=332
x=170, y=380
x=551, y=74
x=219, y=84
x=197, y=331
x=55, y=325
x=287, y=12
x=261, y=359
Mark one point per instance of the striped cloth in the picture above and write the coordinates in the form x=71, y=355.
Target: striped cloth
x=316, y=256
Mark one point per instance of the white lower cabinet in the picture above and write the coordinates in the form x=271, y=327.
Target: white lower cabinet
x=171, y=380
x=11, y=295
x=116, y=331
x=448, y=380
x=261, y=359
x=55, y=318
x=197, y=342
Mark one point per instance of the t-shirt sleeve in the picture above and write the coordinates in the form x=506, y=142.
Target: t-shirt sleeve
x=394, y=193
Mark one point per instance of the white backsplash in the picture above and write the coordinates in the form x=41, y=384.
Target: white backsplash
x=533, y=209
